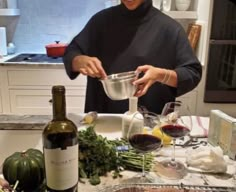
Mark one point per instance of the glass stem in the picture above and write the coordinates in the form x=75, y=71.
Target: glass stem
x=143, y=172
x=173, y=163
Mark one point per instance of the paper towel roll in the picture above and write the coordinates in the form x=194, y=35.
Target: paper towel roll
x=3, y=41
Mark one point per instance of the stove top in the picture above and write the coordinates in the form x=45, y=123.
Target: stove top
x=35, y=58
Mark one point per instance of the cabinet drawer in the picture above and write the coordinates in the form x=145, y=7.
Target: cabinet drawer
x=42, y=77
x=37, y=101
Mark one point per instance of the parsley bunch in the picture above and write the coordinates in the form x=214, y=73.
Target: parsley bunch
x=98, y=156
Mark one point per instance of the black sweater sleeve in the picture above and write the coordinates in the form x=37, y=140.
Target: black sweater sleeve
x=188, y=67
x=81, y=45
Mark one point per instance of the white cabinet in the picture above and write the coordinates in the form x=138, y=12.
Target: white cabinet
x=9, y=19
x=182, y=14
x=28, y=90
x=32, y=101
x=18, y=140
x=190, y=100
x=164, y=5
x=41, y=77
x=0, y=101
x=1, y=81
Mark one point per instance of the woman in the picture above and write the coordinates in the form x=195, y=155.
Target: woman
x=133, y=36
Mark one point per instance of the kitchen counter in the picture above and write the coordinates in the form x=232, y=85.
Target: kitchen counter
x=109, y=125
x=25, y=87
x=4, y=62
x=24, y=138
x=32, y=64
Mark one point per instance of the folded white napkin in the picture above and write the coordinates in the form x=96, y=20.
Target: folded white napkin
x=207, y=158
x=199, y=125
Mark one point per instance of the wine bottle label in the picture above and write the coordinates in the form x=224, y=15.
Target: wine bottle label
x=61, y=167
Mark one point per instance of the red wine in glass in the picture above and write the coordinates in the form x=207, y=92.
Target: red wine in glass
x=144, y=142
x=176, y=122
x=141, y=139
x=175, y=131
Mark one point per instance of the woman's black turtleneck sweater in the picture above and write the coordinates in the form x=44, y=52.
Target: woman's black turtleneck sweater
x=123, y=40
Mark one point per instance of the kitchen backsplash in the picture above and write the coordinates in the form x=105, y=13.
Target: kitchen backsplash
x=42, y=22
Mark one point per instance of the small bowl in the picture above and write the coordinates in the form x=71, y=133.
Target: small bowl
x=182, y=5
x=120, y=86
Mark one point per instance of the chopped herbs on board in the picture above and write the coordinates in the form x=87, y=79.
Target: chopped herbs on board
x=98, y=156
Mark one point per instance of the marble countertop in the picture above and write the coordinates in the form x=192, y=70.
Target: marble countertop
x=109, y=125
x=31, y=122
x=4, y=62
x=23, y=122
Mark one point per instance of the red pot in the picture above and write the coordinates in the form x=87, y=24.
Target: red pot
x=56, y=49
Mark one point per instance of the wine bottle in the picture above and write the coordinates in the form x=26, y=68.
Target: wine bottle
x=60, y=147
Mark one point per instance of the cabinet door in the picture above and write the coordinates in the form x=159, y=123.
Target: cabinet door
x=36, y=101
x=189, y=99
x=0, y=101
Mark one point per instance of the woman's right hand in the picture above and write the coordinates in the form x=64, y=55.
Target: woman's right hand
x=90, y=66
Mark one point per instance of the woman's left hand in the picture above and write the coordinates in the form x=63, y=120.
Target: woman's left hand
x=151, y=75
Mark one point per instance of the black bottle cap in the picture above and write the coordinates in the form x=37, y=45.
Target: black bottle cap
x=58, y=89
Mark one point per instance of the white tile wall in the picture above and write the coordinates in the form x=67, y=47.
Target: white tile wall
x=42, y=22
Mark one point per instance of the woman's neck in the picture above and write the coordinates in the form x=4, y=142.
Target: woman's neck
x=139, y=12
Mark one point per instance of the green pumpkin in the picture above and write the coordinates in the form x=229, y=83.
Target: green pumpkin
x=27, y=167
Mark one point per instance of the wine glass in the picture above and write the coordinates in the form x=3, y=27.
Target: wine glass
x=143, y=141
x=176, y=122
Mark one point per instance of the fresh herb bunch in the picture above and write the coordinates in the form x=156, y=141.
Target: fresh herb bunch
x=130, y=159
x=98, y=156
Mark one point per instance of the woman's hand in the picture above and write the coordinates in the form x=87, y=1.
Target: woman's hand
x=149, y=77
x=90, y=66
x=152, y=75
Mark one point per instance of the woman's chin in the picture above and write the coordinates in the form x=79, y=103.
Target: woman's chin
x=131, y=5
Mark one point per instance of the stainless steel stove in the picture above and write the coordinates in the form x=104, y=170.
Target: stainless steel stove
x=35, y=58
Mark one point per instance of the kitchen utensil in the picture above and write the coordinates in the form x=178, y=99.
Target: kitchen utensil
x=11, y=48
x=119, y=86
x=182, y=5
x=56, y=49
x=3, y=41
x=166, y=5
